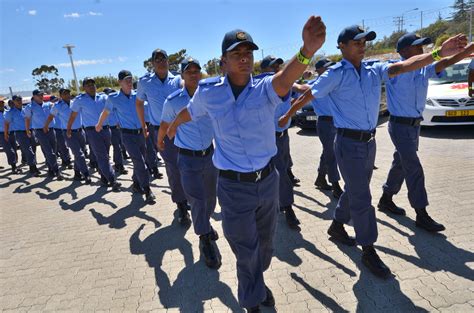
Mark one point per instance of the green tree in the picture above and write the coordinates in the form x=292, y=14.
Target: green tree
x=461, y=9
x=212, y=67
x=47, y=78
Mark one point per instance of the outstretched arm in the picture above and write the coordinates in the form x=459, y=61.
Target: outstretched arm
x=302, y=100
x=182, y=117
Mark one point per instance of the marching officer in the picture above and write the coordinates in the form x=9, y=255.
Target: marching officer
x=90, y=104
x=269, y=66
x=326, y=134
x=61, y=111
x=36, y=113
x=155, y=88
x=8, y=142
x=122, y=105
x=406, y=98
x=15, y=122
x=195, y=150
x=355, y=90
x=242, y=111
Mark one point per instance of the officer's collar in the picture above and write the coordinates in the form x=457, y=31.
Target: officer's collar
x=265, y=74
x=33, y=101
x=227, y=82
x=123, y=94
x=168, y=76
x=347, y=64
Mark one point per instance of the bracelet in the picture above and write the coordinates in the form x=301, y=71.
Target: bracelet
x=302, y=59
x=435, y=55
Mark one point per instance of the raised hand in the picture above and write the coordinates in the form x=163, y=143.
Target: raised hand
x=314, y=35
x=453, y=45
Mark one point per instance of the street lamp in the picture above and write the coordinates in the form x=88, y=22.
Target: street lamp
x=402, y=21
x=69, y=51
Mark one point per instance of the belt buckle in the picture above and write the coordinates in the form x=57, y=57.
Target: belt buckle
x=203, y=152
x=259, y=175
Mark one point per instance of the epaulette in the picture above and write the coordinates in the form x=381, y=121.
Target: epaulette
x=336, y=66
x=174, y=94
x=210, y=81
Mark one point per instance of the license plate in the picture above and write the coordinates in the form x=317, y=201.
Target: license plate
x=311, y=118
x=460, y=113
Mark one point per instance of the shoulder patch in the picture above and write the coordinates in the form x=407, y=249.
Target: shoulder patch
x=174, y=94
x=210, y=81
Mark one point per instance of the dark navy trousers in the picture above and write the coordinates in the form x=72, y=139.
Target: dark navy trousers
x=25, y=146
x=75, y=143
x=100, y=145
x=327, y=161
x=170, y=156
x=356, y=162
x=61, y=146
x=116, y=140
x=47, y=142
x=9, y=148
x=151, y=157
x=136, y=148
x=406, y=165
x=249, y=217
x=199, y=181
x=282, y=163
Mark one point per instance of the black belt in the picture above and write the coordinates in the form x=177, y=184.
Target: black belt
x=20, y=131
x=412, y=121
x=252, y=177
x=74, y=130
x=89, y=127
x=196, y=153
x=325, y=118
x=281, y=134
x=111, y=127
x=137, y=131
x=359, y=135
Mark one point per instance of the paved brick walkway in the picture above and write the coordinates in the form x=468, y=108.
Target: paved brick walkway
x=69, y=247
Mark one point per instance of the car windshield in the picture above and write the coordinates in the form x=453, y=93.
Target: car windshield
x=456, y=73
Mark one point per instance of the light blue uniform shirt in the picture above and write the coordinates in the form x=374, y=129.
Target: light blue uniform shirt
x=244, y=129
x=2, y=120
x=406, y=93
x=194, y=135
x=55, y=123
x=151, y=89
x=281, y=108
x=90, y=108
x=37, y=113
x=124, y=108
x=356, y=97
x=146, y=112
x=321, y=106
x=62, y=111
x=16, y=119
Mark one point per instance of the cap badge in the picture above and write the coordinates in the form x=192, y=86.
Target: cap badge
x=241, y=36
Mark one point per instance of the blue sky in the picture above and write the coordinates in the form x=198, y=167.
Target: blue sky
x=113, y=35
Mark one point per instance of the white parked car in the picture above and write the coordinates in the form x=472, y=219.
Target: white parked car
x=448, y=102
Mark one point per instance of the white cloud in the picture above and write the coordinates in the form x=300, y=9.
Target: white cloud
x=95, y=13
x=72, y=15
x=32, y=12
x=7, y=70
x=26, y=79
x=122, y=59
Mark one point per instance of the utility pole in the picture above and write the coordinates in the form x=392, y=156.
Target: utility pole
x=470, y=23
x=363, y=25
x=421, y=20
x=69, y=51
x=11, y=92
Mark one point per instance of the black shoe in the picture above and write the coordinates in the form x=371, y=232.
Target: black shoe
x=387, y=205
x=338, y=233
x=120, y=170
x=125, y=155
x=291, y=219
x=67, y=164
x=149, y=196
x=77, y=176
x=213, y=235
x=93, y=165
x=51, y=173
x=15, y=170
x=183, y=215
x=136, y=188
x=59, y=177
x=156, y=173
x=371, y=259
x=210, y=256
x=321, y=183
x=255, y=309
x=115, y=185
x=103, y=181
x=424, y=221
x=269, y=299
x=34, y=171
x=336, y=190
x=87, y=180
